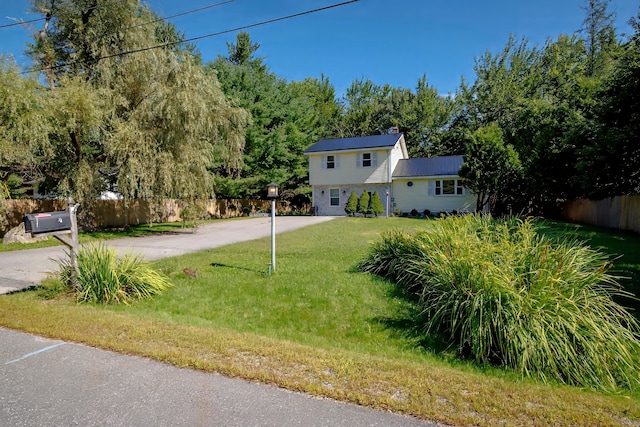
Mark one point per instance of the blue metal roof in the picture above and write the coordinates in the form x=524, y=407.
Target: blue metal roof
x=428, y=166
x=362, y=142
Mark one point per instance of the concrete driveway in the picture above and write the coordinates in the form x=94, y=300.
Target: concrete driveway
x=22, y=269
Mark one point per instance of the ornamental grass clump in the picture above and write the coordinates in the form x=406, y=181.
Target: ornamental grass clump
x=105, y=277
x=504, y=295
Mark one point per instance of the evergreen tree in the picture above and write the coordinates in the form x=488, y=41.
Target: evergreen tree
x=364, y=202
x=375, y=206
x=352, y=204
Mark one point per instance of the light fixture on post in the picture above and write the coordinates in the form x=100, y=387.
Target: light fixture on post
x=387, y=194
x=272, y=193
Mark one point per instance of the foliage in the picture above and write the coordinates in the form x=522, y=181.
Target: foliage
x=192, y=213
x=370, y=109
x=285, y=120
x=504, y=295
x=614, y=152
x=364, y=203
x=351, y=207
x=104, y=277
x=146, y=124
x=490, y=167
x=375, y=205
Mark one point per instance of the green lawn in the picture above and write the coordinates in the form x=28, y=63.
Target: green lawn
x=317, y=325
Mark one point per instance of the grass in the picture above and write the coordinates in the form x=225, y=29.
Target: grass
x=622, y=246
x=504, y=295
x=103, y=276
x=317, y=326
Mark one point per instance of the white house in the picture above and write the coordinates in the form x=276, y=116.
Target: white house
x=381, y=163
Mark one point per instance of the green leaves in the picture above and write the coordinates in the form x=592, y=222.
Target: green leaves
x=503, y=295
x=104, y=277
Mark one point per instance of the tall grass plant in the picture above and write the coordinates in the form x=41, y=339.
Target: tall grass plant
x=504, y=295
x=105, y=277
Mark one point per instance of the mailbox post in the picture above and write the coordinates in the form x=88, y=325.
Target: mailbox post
x=62, y=225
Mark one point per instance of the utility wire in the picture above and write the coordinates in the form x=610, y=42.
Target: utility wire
x=189, y=40
x=134, y=26
x=20, y=22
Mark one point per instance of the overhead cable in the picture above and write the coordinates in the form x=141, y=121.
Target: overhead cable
x=189, y=40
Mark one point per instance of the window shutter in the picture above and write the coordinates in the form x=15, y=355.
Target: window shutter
x=374, y=159
x=431, y=188
x=336, y=161
x=324, y=162
x=359, y=160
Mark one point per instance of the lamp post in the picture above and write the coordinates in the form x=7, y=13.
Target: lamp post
x=387, y=193
x=272, y=193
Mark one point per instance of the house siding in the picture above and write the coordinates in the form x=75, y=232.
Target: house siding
x=322, y=197
x=347, y=170
x=417, y=197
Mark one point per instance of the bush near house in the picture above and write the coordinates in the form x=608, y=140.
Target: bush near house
x=363, y=203
x=375, y=206
x=503, y=295
x=352, y=204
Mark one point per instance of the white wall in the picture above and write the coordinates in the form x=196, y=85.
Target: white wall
x=347, y=170
x=417, y=197
x=322, y=201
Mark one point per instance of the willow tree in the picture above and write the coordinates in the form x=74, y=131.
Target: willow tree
x=130, y=107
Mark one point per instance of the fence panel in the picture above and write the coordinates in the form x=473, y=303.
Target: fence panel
x=117, y=213
x=622, y=212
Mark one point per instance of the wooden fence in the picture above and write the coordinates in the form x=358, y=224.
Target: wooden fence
x=117, y=214
x=621, y=212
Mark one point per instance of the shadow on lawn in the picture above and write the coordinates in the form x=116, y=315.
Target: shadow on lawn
x=409, y=323
x=235, y=267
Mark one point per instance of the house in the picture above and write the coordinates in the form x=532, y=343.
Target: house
x=381, y=163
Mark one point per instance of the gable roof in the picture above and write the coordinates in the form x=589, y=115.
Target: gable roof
x=357, y=143
x=428, y=166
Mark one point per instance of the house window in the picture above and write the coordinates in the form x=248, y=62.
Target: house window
x=446, y=187
x=331, y=162
x=334, y=194
x=367, y=160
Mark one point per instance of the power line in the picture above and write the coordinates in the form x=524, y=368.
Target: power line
x=174, y=16
x=20, y=22
x=134, y=26
x=189, y=40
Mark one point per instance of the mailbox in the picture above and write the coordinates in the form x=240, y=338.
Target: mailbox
x=47, y=222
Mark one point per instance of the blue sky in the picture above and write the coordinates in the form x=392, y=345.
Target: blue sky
x=387, y=41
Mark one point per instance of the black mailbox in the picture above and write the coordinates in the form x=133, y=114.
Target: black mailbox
x=47, y=222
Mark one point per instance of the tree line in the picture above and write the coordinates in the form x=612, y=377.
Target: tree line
x=538, y=124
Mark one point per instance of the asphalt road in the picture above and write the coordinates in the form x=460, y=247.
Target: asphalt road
x=47, y=382
x=26, y=268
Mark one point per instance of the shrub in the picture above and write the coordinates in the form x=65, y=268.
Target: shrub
x=504, y=295
x=352, y=204
x=363, y=203
x=192, y=214
x=414, y=212
x=375, y=206
x=106, y=278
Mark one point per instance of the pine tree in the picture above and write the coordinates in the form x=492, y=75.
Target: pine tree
x=352, y=204
x=375, y=206
x=363, y=203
